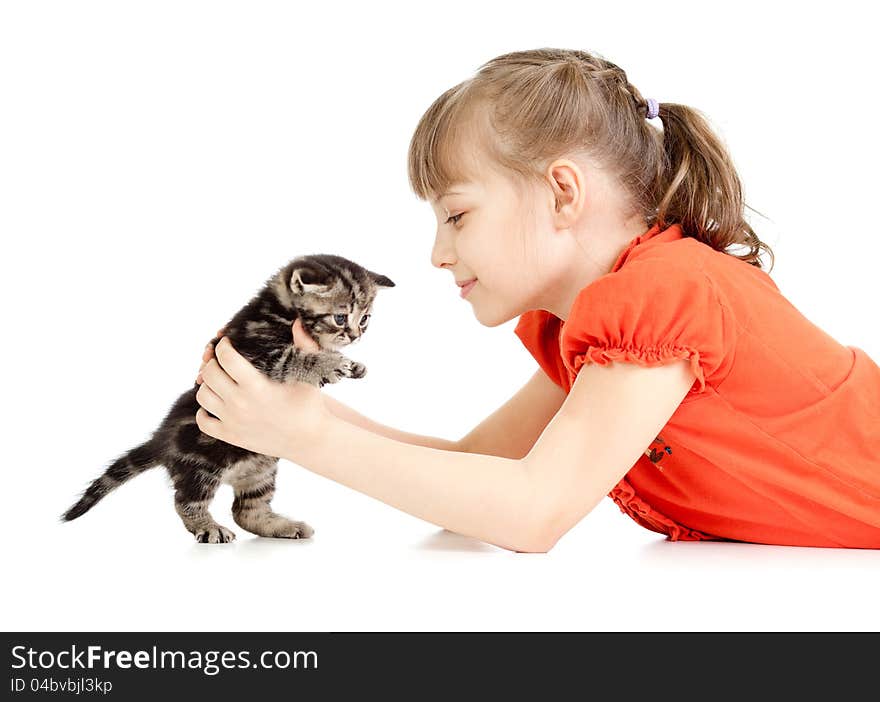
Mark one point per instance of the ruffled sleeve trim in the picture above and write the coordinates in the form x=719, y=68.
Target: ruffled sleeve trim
x=657, y=356
x=641, y=512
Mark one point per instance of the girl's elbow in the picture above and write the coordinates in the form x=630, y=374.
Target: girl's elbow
x=531, y=541
x=540, y=540
x=548, y=521
x=539, y=529
x=537, y=546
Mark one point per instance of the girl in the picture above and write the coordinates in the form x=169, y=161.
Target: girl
x=673, y=374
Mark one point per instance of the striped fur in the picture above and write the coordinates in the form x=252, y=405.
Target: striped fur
x=314, y=289
x=125, y=467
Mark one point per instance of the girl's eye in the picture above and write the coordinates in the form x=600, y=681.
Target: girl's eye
x=339, y=319
x=364, y=320
x=454, y=218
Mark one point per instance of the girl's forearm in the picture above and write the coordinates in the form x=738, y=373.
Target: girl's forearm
x=349, y=415
x=486, y=497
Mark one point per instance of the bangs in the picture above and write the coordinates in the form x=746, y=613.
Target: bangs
x=451, y=144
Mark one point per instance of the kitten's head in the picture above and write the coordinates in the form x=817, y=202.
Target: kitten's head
x=332, y=295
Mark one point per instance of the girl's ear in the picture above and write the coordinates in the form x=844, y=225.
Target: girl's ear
x=308, y=280
x=381, y=280
x=568, y=186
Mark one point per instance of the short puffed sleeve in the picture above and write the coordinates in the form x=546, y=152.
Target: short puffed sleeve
x=538, y=330
x=651, y=312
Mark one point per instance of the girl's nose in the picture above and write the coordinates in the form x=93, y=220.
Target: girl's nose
x=442, y=254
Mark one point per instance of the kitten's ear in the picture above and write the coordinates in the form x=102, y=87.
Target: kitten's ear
x=307, y=280
x=381, y=280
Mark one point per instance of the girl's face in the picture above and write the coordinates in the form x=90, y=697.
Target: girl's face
x=488, y=232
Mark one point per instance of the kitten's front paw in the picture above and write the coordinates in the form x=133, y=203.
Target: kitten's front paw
x=351, y=369
x=215, y=535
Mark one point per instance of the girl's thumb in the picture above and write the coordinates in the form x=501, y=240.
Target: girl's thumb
x=301, y=338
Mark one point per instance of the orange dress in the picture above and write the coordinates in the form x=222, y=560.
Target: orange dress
x=777, y=441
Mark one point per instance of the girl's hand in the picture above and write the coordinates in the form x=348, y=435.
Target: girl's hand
x=254, y=412
x=301, y=340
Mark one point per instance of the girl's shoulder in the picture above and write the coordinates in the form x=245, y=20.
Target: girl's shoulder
x=654, y=309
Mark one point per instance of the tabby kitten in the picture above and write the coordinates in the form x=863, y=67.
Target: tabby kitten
x=333, y=297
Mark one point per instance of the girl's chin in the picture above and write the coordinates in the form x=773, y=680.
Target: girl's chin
x=489, y=318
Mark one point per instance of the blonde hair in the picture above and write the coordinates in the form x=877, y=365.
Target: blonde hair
x=524, y=109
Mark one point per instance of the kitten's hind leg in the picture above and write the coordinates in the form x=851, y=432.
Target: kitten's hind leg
x=194, y=490
x=252, y=512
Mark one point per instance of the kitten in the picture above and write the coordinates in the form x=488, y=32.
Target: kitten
x=333, y=297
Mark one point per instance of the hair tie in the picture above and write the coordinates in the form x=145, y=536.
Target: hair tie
x=653, y=108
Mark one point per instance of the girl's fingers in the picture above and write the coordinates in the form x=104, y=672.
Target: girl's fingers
x=208, y=353
x=236, y=368
x=206, y=356
x=208, y=399
x=218, y=379
x=199, y=378
x=301, y=338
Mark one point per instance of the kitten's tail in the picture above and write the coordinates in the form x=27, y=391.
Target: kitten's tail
x=127, y=466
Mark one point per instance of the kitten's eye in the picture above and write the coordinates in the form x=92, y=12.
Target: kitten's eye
x=364, y=320
x=340, y=319
x=454, y=218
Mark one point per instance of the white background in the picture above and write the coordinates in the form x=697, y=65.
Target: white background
x=159, y=160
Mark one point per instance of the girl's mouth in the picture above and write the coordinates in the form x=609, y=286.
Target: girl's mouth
x=466, y=288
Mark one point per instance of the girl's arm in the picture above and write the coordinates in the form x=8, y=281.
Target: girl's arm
x=487, y=497
x=349, y=415
x=509, y=432
x=611, y=415
x=513, y=428
x=525, y=504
